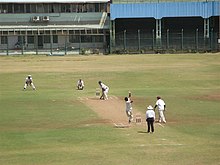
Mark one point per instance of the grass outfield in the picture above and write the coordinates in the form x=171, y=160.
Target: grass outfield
x=47, y=126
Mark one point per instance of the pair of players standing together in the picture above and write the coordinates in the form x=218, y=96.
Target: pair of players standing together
x=104, y=88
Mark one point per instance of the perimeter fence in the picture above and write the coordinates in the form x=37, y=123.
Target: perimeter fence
x=139, y=41
x=54, y=45
x=170, y=42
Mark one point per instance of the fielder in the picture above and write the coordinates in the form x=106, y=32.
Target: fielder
x=29, y=81
x=128, y=109
x=161, y=108
x=80, y=84
x=105, y=90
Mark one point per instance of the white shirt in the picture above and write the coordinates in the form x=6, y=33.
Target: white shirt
x=105, y=87
x=150, y=114
x=160, y=103
x=80, y=83
x=28, y=80
x=128, y=105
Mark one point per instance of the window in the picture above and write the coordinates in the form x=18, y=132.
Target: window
x=84, y=8
x=55, y=39
x=33, y=8
x=97, y=7
x=86, y=39
x=10, y=10
x=103, y=7
x=21, y=40
x=4, y=8
x=65, y=8
x=89, y=31
x=46, y=8
x=28, y=8
x=74, y=7
x=91, y=7
x=74, y=38
x=19, y=8
x=4, y=39
x=97, y=38
x=54, y=8
x=40, y=8
x=47, y=39
x=30, y=39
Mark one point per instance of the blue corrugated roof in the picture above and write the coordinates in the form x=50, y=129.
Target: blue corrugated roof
x=169, y=9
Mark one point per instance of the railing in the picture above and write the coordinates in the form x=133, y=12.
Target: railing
x=50, y=19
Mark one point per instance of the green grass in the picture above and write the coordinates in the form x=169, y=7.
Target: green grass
x=49, y=126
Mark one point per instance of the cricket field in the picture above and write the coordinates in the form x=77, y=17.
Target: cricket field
x=59, y=125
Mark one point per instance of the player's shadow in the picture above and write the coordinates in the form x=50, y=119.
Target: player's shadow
x=142, y=131
x=94, y=98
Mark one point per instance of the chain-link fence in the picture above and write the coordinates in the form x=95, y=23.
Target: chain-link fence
x=170, y=42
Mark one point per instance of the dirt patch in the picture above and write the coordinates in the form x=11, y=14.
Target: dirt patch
x=208, y=97
x=111, y=110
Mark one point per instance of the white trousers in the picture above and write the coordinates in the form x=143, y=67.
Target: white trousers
x=105, y=94
x=161, y=116
x=32, y=85
x=130, y=115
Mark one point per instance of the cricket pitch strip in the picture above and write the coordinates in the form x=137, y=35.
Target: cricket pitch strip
x=112, y=110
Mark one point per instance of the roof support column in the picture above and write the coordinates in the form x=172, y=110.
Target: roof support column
x=112, y=35
x=36, y=43
x=206, y=28
x=51, y=42
x=206, y=34
x=158, y=32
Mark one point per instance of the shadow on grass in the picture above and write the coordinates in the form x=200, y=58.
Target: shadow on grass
x=142, y=131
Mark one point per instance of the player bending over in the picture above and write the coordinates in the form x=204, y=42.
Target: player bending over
x=29, y=81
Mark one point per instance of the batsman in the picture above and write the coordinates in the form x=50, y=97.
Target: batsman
x=105, y=90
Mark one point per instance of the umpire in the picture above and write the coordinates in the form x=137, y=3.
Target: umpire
x=150, y=117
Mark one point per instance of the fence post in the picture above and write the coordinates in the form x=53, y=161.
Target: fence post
x=139, y=41
x=7, y=47
x=211, y=40
x=22, y=45
x=36, y=43
x=80, y=44
x=182, y=39
x=168, y=41
x=51, y=43
x=125, y=46
x=65, y=44
x=153, y=39
x=197, y=40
